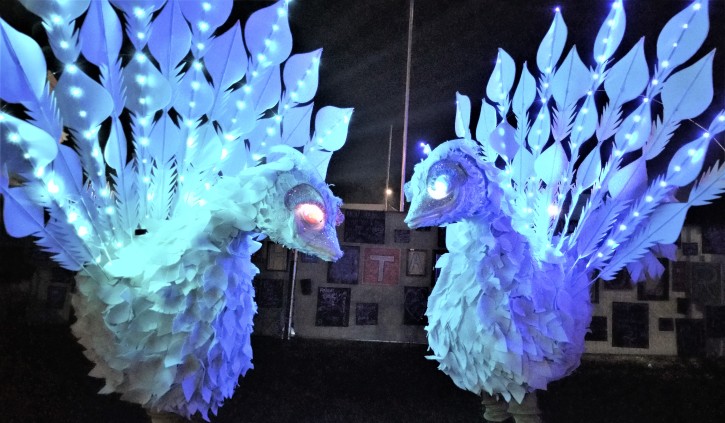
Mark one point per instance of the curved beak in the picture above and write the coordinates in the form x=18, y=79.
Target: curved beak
x=324, y=244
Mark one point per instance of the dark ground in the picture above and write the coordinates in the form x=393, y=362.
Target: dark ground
x=43, y=379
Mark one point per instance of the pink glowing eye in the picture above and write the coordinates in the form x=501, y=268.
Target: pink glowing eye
x=311, y=213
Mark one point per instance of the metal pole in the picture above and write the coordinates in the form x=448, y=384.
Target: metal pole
x=407, y=105
x=387, y=175
x=288, y=330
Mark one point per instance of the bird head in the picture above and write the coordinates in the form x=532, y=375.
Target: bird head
x=299, y=209
x=449, y=185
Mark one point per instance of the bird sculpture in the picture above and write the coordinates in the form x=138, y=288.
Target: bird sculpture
x=548, y=195
x=184, y=144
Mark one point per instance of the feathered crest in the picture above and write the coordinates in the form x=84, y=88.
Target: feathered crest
x=575, y=163
x=158, y=124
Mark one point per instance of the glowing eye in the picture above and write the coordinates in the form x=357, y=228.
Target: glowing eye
x=443, y=178
x=438, y=188
x=311, y=213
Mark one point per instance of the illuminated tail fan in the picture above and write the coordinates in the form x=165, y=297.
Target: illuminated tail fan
x=546, y=205
x=185, y=143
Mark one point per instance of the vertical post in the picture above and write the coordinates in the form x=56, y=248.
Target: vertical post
x=387, y=174
x=407, y=105
x=288, y=329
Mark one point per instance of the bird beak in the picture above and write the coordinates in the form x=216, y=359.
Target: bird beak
x=420, y=216
x=324, y=244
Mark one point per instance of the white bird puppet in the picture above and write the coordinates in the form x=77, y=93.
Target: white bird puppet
x=181, y=155
x=537, y=211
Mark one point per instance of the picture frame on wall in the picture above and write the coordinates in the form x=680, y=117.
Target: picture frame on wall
x=416, y=263
x=277, y=257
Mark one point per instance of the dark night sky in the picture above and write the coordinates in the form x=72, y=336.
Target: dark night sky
x=454, y=49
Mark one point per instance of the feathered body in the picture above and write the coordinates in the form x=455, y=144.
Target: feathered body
x=183, y=154
x=536, y=212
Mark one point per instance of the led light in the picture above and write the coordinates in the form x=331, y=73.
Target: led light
x=139, y=12
x=53, y=188
x=648, y=199
x=56, y=19
x=665, y=63
x=553, y=210
x=696, y=6
x=439, y=188
x=622, y=227
x=76, y=92
x=206, y=6
x=14, y=137
x=110, y=210
x=64, y=44
x=203, y=26
x=72, y=217
x=678, y=168
x=82, y=113
x=140, y=35
x=311, y=213
x=82, y=231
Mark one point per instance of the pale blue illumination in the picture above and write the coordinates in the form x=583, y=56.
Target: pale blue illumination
x=532, y=219
x=162, y=243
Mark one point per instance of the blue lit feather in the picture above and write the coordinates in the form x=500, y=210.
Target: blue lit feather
x=575, y=201
x=159, y=214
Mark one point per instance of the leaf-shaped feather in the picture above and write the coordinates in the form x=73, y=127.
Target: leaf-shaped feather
x=103, y=27
x=115, y=151
x=165, y=140
x=138, y=19
x=687, y=162
x=524, y=94
x=463, y=116
x=169, y=25
x=265, y=89
x=551, y=163
x=212, y=13
x=21, y=216
x=147, y=90
x=23, y=66
x=501, y=80
x=523, y=166
x=628, y=77
x=571, y=81
x=487, y=122
x=629, y=181
x=40, y=147
x=503, y=140
x=194, y=96
x=226, y=59
x=610, y=33
x=687, y=93
x=683, y=35
x=268, y=36
x=331, y=125
x=552, y=45
x=300, y=76
x=540, y=130
x=83, y=103
x=585, y=123
x=589, y=169
x=64, y=10
x=596, y=226
x=634, y=131
x=296, y=126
